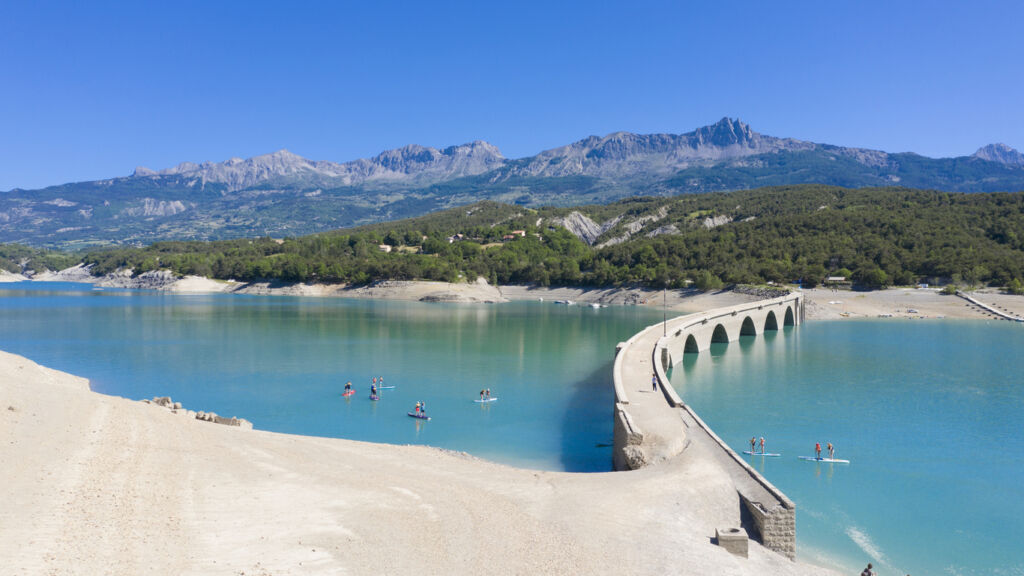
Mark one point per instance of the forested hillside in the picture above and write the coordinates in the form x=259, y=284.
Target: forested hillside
x=877, y=237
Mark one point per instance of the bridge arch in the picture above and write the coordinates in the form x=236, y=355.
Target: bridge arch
x=770, y=322
x=748, y=328
x=789, y=320
x=691, y=346
x=719, y=335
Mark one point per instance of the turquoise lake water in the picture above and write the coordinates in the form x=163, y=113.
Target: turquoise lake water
x=282, y=363
x=929, y=412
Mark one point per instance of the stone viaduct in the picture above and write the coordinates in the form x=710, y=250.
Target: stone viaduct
x=653, y=427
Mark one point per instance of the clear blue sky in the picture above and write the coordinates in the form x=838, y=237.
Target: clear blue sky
x=89, y=90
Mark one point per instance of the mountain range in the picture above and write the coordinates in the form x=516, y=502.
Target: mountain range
x=283, y=194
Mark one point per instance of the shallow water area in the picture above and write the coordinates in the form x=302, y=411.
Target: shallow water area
x=282, y=362
x=928, y=412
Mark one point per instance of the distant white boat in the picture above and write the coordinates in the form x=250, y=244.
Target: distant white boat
x=596, y=305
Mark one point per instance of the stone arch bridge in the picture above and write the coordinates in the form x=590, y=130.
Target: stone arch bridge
x=653, y=427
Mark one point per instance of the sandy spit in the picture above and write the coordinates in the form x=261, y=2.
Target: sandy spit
x=94, y=484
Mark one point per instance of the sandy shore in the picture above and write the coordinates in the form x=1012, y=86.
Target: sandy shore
x=94, y=484
x=906, y=303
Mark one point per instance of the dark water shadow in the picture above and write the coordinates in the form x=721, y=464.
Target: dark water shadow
x=587, y=428
x=747, y=343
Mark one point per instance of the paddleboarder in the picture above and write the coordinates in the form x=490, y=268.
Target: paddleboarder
x=348, y=386
x=817, y=450
x=753, y=444
x=762, y=444
x=831, y=451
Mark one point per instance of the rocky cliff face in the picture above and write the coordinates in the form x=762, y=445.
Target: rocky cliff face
x=1000, y=153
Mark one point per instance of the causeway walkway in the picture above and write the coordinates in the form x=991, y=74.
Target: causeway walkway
x=654, y=425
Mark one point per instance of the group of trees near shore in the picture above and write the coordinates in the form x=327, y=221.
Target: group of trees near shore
x=875, y=237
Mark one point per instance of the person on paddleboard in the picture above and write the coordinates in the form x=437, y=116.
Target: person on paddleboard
x=817, y=450
x=487, y=394
x=831, y=451
x=481, y=395
x=373, y=388
x=348, y=386
x=417, y=409
x=753, y=444
x=762, y=444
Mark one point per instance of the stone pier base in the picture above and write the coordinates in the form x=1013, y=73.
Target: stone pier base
x=777, y=527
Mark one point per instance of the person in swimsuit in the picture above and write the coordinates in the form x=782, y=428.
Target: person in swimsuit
x=481, y=395
x=753, y=444
x=817, y=450
x=762, y=444
x=423, y=408
x=868, y=571
x=831, y=451
x=348, y=386
x=654, y=382
x=373, y=389
x=487, y=394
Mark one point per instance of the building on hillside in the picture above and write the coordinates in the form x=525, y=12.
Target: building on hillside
x=836, y=282
x=455, y=238
x=384, y=248
x=520, y=233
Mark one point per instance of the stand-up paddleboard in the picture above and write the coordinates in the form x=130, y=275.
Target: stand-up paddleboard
x=829, y=460
x=486, y=400
x=385, y=387
x=760, y=453
x=420, y=416
x=349, y=393
x=374, y=397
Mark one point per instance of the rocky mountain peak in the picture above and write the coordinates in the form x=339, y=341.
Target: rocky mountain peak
x=426, y=162
x=1000, y=153
x=726, y=132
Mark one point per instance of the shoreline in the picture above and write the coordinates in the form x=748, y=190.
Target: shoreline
x=822, y=303
x=107, y=484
